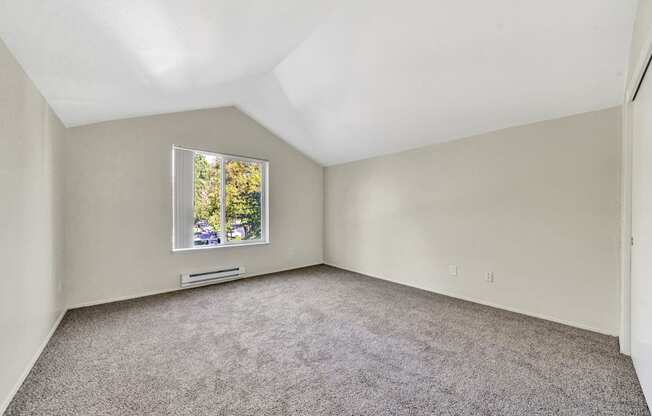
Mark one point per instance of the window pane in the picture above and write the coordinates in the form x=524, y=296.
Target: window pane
x=207, y=200
x=243, y=194
x=218, y=199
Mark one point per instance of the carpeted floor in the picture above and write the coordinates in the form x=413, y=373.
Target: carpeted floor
x=322, y=341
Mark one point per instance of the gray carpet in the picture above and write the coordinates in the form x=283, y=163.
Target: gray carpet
x=322, y=341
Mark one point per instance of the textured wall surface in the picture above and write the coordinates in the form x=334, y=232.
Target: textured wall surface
x=31, y=222
x=119, y=203
x=536, y=205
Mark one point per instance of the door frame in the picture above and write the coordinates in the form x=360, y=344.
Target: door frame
x=626, y=236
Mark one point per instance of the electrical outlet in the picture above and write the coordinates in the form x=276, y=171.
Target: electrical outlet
x=489, y=277
x=452, y=270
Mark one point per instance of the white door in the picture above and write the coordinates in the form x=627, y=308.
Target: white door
x=641, y=296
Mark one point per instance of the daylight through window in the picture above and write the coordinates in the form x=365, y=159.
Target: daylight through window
x=220, y=200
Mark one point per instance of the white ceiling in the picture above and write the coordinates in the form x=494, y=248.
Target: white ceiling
x=339, y=80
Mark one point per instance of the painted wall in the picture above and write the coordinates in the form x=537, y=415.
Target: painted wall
x=119, y=203
x=640, y=115
x=31, y=223
x=641, y=35
x=536, y=205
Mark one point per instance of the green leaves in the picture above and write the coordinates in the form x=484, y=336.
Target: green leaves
x=243, y=199
x=243, y=191
x=207, y=191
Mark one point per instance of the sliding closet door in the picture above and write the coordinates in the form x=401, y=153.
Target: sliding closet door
x=641, y=301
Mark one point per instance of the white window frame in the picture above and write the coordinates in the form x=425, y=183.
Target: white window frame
x=225, y=243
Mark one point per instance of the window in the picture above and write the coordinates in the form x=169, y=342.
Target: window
x=219, y=200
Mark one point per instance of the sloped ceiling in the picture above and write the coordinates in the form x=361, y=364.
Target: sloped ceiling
x=339, y=80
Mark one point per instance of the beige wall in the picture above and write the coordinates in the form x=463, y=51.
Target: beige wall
x=119, y=203
x=31, y=223
x=537, y=205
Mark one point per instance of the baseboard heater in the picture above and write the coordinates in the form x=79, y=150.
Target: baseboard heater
x=215, y=276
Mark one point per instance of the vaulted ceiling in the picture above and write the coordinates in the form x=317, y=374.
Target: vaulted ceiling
x=339, y=80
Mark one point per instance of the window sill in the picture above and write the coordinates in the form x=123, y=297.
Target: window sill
x=196, y=249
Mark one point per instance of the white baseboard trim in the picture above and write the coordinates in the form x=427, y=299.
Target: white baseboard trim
x=38, y=353
x=31, y=363
x=175, y=289
x=127, y=297
x=486, y=303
